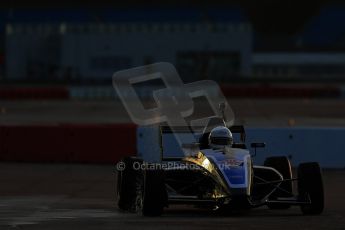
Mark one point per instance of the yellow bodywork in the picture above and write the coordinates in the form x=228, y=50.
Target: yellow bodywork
x=202, y=161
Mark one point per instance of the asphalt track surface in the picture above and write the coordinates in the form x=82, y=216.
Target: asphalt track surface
x=55, y=196
x=248, y=111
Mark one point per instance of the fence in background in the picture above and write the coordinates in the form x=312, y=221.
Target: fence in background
x=108, y=92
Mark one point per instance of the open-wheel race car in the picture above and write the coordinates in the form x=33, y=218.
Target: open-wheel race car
x=216, y=178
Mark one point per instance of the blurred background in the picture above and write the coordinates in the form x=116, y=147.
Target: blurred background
x=281, y=65
x=83, y=43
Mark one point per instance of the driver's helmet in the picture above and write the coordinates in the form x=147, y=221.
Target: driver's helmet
x=220, y=137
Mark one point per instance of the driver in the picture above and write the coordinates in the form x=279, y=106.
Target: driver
x=220, y=137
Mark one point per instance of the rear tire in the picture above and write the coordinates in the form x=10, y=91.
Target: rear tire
x=283, y=166
x=310, y=187
x=154, y=193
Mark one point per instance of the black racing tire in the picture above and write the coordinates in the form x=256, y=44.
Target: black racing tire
x=129, y=185
x=283, y=166
x=310, y=188
x=155, y=196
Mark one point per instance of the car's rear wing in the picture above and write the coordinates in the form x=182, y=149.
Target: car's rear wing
x=235, y=129
x=240, y=130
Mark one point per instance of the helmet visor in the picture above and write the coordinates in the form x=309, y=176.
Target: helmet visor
x=221, y=140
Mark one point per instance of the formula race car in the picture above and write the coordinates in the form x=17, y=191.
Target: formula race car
x=216, y=178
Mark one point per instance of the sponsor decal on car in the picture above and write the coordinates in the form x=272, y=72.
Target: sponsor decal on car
x=232, y=163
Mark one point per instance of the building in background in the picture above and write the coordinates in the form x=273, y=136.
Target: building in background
x=201, y=49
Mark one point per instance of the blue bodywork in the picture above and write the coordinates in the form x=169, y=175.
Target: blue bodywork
x=234, y=164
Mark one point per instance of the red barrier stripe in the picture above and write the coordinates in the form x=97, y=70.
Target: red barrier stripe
x=32, y=93
x=67, y=143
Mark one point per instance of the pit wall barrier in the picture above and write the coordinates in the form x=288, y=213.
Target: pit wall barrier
x=67, y=143
x=108, y=143
x=108, y=92
x=300, y=144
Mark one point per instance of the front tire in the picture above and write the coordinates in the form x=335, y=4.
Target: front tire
x=129, y=185
x=154, y=193
x=310, y=188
